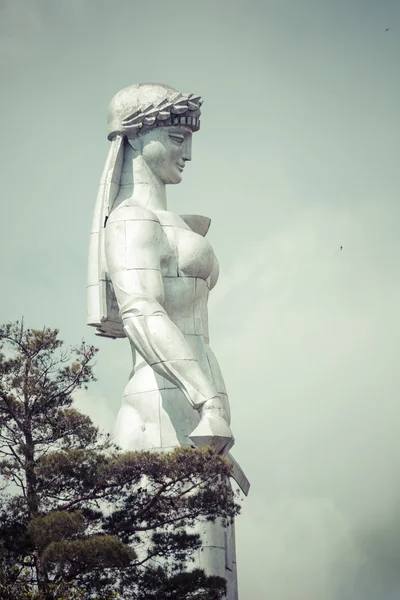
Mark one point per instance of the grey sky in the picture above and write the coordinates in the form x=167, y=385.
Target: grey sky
x=297, y=156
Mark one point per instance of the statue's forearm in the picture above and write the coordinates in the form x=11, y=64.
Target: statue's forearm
x=163, y=346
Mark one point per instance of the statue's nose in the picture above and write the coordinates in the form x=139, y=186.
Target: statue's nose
x=187, y=149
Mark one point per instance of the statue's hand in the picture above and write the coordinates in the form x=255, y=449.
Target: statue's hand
x=213, y=428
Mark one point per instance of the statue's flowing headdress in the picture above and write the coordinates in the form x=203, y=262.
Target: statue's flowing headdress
x=133, y=111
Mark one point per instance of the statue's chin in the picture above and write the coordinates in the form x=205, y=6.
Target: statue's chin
x=175, y=179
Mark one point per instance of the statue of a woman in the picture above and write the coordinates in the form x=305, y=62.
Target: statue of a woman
x=160, y=268
x=150, y=273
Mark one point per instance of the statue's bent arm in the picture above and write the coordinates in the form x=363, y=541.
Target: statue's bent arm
x=133, y=255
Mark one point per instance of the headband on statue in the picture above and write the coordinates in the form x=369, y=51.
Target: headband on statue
x=137, y=109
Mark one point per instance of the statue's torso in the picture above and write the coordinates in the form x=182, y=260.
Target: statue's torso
x=185, y=259
x=189, y=269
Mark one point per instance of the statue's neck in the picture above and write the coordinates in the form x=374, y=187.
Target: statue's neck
x=139, y=185
x=148, y=189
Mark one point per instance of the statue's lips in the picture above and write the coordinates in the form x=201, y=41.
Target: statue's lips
x=180, y=168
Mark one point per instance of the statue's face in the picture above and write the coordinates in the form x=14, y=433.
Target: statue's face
x=165, y=150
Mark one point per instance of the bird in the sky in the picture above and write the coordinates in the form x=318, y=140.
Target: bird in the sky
x=341, y=247
x=386, y=29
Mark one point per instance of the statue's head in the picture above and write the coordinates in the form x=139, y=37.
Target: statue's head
x=157, y=122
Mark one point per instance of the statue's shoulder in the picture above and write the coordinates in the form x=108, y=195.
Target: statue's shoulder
x=131, y=213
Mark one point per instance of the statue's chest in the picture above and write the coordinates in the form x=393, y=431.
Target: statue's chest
x=185, y=253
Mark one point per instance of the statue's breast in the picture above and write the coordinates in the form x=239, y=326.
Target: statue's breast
x=195, y=256
x=188, y=254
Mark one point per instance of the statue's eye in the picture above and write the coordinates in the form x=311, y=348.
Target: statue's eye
x=177, y=138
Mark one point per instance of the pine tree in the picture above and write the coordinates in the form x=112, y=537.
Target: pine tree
x=79, y=519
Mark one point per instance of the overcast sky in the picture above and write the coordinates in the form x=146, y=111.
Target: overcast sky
x=298, y=156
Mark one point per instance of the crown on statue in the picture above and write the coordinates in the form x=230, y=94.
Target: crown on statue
x=156, y=106
x=181, y=110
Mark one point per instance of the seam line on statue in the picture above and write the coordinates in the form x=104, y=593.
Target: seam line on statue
x=133, y=219
x=159, y=422
x=125, y=243
x=177, y=226
x=184, y=277
x=193, y=335
x=143, y=392
x=168, y=362
x=195, y=314
x=125, y=269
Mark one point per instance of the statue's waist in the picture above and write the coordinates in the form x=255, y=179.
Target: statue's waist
x=197, y=344
x=185, y=301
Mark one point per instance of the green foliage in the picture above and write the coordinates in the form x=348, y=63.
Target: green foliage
x=55, y=527
x=86, y=520
x=92, y=552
